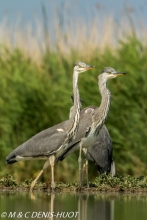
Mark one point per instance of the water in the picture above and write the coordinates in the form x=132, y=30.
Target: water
x=84, y=206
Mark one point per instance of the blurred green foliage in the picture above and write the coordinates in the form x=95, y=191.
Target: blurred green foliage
x=36, y=96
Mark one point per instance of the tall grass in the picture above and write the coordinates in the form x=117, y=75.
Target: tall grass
x=36, y=84
x=66, y=36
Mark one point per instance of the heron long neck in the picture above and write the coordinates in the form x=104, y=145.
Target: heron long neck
x=102, y=112
x=75, y=117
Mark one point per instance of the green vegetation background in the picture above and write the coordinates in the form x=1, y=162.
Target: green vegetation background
x=36, y=95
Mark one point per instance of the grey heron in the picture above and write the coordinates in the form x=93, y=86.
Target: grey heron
x=51, y=143
x=101, y=150
x=92, y=119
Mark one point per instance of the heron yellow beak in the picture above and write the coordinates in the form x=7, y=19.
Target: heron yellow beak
x=90, y=67
x=119, y=73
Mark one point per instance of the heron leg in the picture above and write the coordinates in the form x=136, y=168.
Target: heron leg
x=34, y=182
x=86, y=168
x=80, y=166
x=83, y=172
x=52, y=163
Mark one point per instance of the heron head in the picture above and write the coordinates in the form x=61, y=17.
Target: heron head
x=82, y=67
x=109, y=73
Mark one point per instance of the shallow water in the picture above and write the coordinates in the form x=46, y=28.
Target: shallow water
x=84, y=206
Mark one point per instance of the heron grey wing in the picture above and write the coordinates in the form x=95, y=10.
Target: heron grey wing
x=104, y=136
x=101, y=151
x=39, y=144
x=43, y=147
x=50, y=144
